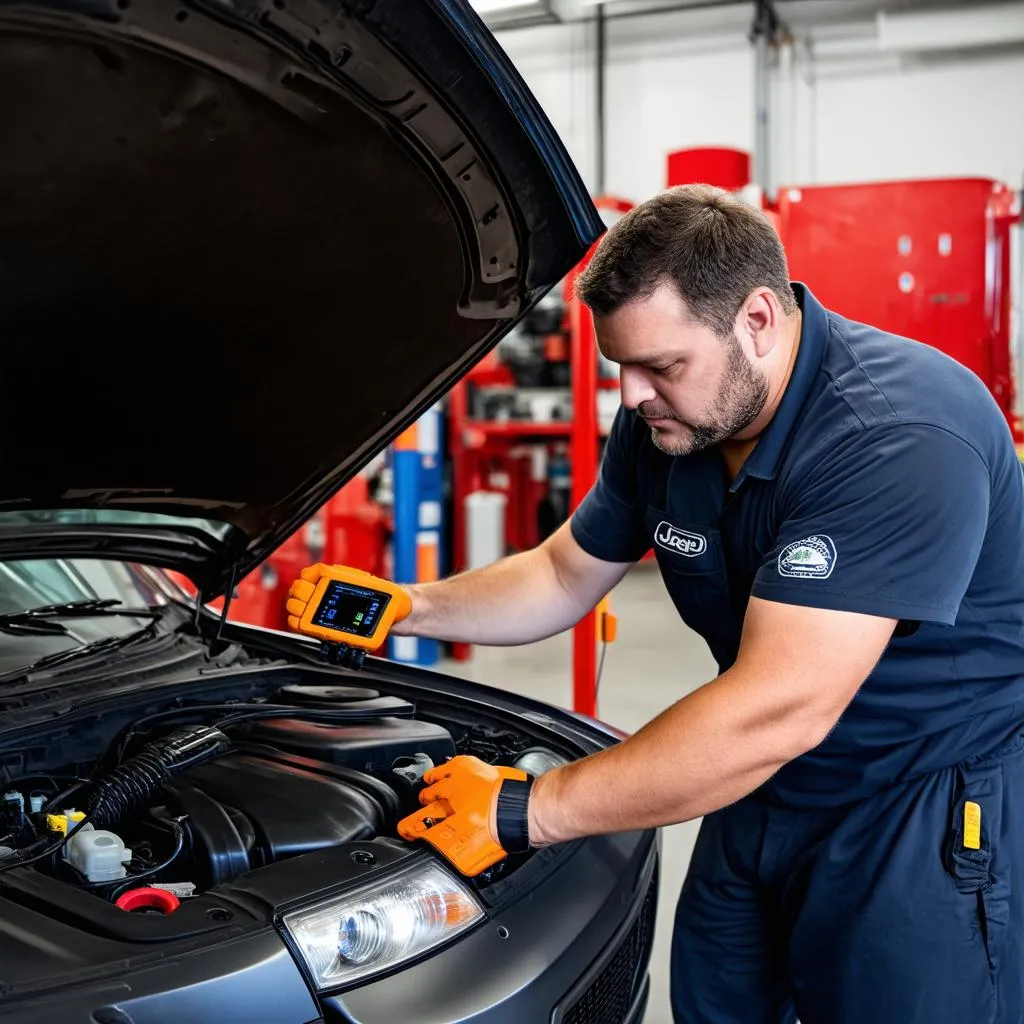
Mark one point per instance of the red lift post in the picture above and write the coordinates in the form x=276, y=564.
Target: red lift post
x=472, y=443
x=583, y=455
x=585, y=441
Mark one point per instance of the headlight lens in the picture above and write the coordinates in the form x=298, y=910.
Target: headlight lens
x=538, y=760
x=379, y=925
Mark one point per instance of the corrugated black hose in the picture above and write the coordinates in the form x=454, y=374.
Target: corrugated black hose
x=128, y=788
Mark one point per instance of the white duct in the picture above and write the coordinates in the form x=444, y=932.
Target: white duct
x=916, y=32
x=956, y=29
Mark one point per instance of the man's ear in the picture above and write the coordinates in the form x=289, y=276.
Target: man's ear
x=759, y=319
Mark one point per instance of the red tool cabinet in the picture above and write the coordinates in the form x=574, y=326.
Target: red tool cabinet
x=929, y=260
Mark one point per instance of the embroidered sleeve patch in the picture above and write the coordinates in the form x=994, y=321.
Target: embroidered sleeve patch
x=811, y=559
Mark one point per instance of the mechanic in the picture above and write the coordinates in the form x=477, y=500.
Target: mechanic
x=840, y=514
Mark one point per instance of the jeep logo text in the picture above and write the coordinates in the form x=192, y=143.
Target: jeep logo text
x=671, y=538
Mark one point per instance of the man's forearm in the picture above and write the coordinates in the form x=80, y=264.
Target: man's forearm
x=515, y=601
x=708, y=750
x=797, y=670
x=518, y=600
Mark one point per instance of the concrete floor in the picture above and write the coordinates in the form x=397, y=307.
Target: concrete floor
x=654, y=662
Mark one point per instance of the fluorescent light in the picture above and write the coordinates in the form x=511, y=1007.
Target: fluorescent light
x=490, y=6
x=510, y=13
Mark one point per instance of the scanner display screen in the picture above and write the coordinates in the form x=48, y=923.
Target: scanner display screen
x=350, y=609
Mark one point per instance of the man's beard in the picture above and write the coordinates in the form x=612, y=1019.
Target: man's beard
x=741, y=396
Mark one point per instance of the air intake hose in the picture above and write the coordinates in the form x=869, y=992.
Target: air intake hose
x=131, y=785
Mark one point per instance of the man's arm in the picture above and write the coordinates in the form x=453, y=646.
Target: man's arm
x=520, y=599
x=797, y=669
x=897, y=515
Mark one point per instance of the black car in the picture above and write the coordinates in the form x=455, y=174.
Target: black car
x=244, y=244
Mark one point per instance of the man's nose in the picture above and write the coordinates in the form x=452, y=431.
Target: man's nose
x=634, y=386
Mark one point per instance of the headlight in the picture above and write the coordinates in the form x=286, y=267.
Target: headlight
x=382, y=924
x=538, y=760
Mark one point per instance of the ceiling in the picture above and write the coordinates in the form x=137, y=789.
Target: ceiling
x=708, y=15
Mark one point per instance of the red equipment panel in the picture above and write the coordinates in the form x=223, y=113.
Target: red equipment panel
x=929, y=260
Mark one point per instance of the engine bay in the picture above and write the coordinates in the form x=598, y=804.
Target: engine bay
x=189, y=798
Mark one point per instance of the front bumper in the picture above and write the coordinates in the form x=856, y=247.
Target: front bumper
x=574, y=949
x=567, y=941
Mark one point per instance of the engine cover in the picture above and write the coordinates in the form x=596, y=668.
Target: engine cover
x=246, y=810
x=368, y=747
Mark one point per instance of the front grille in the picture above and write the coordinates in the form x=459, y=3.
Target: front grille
x=610, y=995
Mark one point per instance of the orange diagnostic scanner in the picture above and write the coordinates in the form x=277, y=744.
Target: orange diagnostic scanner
x=345, y=606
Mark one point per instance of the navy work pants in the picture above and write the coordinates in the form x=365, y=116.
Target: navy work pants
x=878, y=913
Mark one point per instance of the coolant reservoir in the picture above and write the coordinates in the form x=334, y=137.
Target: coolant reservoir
x=100, y=855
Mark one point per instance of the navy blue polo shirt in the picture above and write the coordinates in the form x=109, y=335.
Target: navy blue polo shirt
x=887, y=483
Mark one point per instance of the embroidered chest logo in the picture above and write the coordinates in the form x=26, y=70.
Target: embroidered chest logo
x=681, y=542
x=813, y=558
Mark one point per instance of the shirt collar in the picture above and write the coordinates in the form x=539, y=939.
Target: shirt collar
x=763, y=461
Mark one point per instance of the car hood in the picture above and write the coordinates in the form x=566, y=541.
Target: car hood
x=244, y=244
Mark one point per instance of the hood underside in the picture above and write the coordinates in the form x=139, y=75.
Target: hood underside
x=243, y=246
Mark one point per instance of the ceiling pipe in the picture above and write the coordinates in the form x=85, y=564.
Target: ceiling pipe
x=600, y=69
x=763, y=33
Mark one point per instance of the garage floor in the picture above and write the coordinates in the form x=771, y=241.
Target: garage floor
x=654, y=662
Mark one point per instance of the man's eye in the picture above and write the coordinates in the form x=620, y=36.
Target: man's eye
x=664, y=369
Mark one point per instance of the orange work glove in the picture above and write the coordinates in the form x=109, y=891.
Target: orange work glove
x=301, y=591
x=474, y=813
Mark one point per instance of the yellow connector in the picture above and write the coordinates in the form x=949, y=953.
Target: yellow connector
x=59, y=822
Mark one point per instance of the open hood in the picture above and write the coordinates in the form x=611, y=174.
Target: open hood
x=244, y=244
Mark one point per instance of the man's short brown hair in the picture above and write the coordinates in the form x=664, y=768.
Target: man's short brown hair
x=713, y=246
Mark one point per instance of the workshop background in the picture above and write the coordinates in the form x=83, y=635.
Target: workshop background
x=886, y=143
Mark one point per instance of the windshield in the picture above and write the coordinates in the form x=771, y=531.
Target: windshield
x=29, y=584
x=109, y=517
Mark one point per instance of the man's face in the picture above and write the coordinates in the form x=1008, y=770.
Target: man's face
x=693, y=388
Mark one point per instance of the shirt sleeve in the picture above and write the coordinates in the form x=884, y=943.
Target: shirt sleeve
x=609, y=521
x=889, y=523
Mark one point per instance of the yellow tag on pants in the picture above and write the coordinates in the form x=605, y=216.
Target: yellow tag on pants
x=972, y=825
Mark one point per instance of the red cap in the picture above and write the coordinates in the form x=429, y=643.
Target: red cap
x=147, y=896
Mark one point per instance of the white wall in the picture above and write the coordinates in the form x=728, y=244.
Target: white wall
x=669, y=87
x=557, y=62
x=959, y=118
x=663, y=90
x=666, y=91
